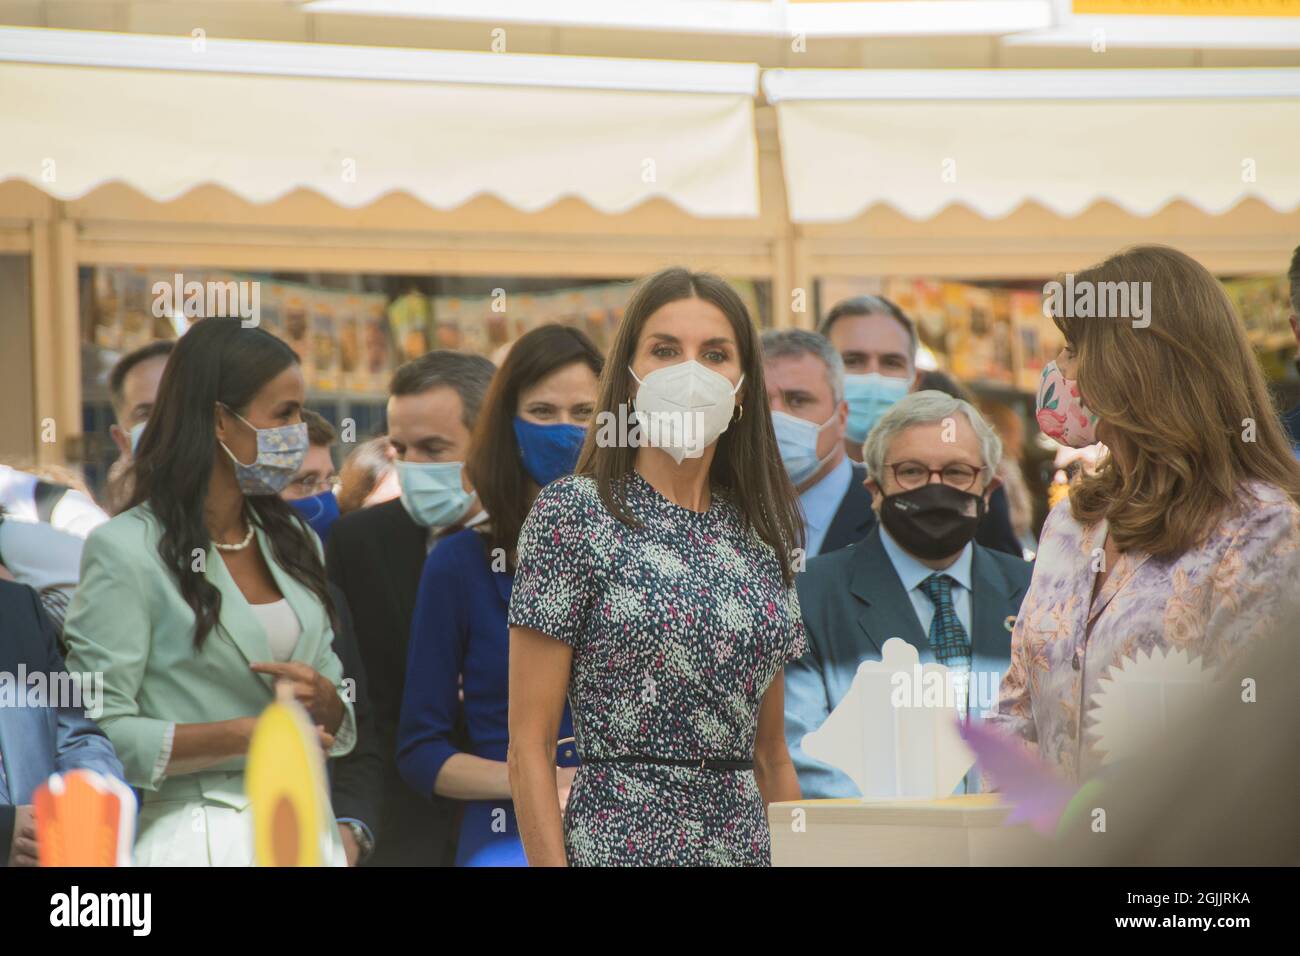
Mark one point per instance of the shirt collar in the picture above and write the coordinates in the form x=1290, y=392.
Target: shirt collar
x=912, y=572
x=822, y=500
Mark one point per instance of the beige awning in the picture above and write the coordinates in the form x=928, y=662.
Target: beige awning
x=923, y=140
x=166, y=114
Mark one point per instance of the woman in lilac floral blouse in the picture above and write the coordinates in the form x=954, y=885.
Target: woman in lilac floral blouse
x=1188, y=534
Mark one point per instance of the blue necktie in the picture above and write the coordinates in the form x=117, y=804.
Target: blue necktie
x=947, y=636
x=951, y=648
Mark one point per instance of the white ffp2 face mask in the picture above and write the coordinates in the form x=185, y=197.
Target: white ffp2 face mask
x=684, y=408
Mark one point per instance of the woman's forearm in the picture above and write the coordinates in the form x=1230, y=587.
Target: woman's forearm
x=467, y=777
x=199, y=746
x=776, y=777
x=537, y=805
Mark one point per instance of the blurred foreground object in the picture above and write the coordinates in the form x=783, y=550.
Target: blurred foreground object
x=285, y=779
x=1222, y=790
x=891, y=748
x=84, y=818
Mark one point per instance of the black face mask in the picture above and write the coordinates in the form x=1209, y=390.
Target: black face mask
x=932, y=521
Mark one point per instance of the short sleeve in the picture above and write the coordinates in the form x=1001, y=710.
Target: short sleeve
x=797, y=646
x=557, y=576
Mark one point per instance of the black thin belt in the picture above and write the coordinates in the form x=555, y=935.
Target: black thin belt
x=666, y=762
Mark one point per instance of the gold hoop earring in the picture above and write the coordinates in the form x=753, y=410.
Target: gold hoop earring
x=740, y=412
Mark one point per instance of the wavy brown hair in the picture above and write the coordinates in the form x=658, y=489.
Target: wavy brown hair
x=494, y=464
x=217, y=361
x=746, y=462
x=1176, y=401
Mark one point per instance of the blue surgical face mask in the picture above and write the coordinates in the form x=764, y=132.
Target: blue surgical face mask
x=869, y=397
x=134, y=434
x=432, y=492
x=280, y=452
x=320, y=511
x=797, y=440
x=548, y=451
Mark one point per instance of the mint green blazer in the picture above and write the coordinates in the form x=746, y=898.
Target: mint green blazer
x=129, y=622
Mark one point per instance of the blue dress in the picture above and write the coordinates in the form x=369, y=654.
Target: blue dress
x=460, y=640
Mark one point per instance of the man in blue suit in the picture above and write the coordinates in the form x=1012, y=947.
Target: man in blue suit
x=805, y=390
x=918, y=575
x=39, y=733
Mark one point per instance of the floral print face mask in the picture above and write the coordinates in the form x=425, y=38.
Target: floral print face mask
x=280, y=452
x=1061, y=413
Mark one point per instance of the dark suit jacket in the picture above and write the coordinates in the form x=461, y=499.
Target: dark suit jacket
x=38, y=741
x=852, y=602
x=375, y=557
x=855, y=518
x=356, y=781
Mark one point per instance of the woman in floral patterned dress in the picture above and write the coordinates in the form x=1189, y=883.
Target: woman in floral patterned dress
x=655, y=588
x=1187, y=536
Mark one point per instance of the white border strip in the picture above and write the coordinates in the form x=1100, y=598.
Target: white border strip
x=139, y=51
x=772, y=18
x=783, y=86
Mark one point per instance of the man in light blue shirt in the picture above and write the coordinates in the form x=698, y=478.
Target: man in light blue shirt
x=918, y=576
x=913, y=574
x=805, y=389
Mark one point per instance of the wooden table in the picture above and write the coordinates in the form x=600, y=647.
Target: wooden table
x=953, y=831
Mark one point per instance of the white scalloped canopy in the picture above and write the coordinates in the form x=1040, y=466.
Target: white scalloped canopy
x=68, y=129
x=843, y=156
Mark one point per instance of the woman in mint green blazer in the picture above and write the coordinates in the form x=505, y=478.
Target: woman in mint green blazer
x=207, y=592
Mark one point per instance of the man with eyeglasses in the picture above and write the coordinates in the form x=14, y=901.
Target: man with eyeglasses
x=311, y=490
x=918, y=575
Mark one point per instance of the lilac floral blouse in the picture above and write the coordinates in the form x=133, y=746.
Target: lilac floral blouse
x=1210, y=601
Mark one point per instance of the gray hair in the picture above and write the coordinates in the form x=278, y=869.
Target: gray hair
x=924, y=408
x=791, y=343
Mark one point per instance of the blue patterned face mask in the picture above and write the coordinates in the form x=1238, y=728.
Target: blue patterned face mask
x=280, y=452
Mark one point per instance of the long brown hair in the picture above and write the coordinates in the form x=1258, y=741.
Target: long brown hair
x=215, y=362
x=1178, y=399
x=493, y=462
x=746, y=461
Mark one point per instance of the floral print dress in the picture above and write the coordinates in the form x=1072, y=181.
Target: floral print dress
x=677, y=629
x=1209, y=601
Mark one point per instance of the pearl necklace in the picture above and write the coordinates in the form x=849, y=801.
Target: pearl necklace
x=237, y=547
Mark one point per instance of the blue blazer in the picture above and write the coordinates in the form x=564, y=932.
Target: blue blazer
x=853, y=518
x=460, y=642
x=852, y=602
x=38, y=741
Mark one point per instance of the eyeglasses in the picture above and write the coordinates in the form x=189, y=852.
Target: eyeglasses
x=913, y=474
x=309, y=485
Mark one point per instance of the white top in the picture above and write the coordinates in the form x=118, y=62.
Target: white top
x=281, y=625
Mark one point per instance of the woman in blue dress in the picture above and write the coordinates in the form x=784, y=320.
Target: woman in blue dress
x=452, y=736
